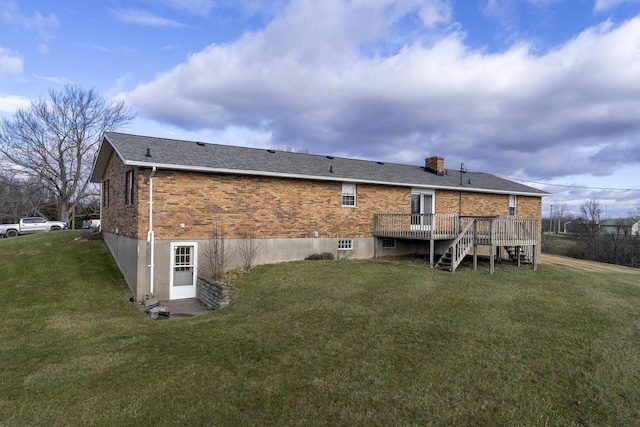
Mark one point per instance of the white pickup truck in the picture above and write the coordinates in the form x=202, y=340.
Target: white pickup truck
x=31, y=225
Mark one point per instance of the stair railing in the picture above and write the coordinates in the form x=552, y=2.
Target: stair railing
x=460, y=247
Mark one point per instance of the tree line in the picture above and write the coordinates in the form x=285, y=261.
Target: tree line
x=587, y=238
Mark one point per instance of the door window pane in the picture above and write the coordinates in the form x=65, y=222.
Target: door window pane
x=415, y=209
x=183, y=266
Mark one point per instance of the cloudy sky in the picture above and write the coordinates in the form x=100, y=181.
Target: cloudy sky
x=546, y=92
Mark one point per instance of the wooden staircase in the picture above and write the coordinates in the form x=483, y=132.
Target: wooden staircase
x=466, y=240
x=518, y=254
x=460, y=247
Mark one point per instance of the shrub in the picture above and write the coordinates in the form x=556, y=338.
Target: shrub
x=324, y=255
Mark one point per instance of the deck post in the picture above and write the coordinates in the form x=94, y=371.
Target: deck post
x=492, y=248
x=492, y=261
x=475, y=256
x=535, y=258
x=431, y=250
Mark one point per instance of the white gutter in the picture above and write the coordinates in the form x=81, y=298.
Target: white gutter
x=101, y=201
x=326, y=178
x=150, y=235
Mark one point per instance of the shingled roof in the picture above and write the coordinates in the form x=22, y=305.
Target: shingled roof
x=144, y=151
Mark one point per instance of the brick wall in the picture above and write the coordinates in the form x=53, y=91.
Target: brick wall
x=530, y=208
x=481, y=204
x=117, y=214
x=434, y=164
x=271, y=207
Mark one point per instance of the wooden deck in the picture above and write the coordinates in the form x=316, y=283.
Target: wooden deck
x=520, y=236
x=497, y=231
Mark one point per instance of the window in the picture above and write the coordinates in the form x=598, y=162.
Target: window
x=183, y=258
x=105, y=193
x=513, y=202
x=388, y=243
x=35, y=220
x=345, y=244
x=128, y=188
x=348, y=195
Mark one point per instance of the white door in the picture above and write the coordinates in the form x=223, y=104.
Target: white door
x=421, y=210
x=184, y=261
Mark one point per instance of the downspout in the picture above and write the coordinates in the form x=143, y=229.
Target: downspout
x=150, y=235
x=101, y=202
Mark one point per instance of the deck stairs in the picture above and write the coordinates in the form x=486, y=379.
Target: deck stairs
x=458, y=249
x=517, y=251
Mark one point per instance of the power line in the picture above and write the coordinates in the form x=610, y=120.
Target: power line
x=584, y=187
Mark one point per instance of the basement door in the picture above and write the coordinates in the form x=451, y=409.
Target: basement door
x=184, y=260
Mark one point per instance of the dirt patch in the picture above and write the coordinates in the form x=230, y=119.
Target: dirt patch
x=466, y=264
x=584, y=265
x=575, y=264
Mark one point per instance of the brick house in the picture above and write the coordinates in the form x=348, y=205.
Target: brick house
x=162, y=198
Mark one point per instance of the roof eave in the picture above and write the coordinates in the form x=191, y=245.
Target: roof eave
x=102, y=159
x=326, y=178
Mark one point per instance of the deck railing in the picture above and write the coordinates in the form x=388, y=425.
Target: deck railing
x=514, y=231
x=499, y=231
x=461, y=245
x=417, y=226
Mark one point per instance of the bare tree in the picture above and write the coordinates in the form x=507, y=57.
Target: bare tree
x=248, y=249
x=217, y=253
x=614, y=240
x=633, y=241
x=54, y=140
x=22, y=195
x=290, y=149
x=561, y=216
x=591, y=213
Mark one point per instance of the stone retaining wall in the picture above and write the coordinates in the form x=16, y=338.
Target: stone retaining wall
x=213, y=295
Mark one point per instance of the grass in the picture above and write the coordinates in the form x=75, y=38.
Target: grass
x=317, y=343
x=559, y=244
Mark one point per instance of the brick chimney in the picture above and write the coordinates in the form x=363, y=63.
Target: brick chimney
x=434, y=164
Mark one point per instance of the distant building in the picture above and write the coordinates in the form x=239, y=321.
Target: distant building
x=625, y=226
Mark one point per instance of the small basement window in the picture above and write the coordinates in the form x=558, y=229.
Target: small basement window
x=388, y=243
x=345, y=244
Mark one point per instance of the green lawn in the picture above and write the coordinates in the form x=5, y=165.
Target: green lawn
x=560, y=244
x=317, y=343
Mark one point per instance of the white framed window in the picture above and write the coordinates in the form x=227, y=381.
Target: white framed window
x=345, y=244
x=513, y=205
x=349, y=195
x=388, y=243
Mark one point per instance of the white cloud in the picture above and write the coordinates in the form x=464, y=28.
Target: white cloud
x=603, y=5
x=45, y=26
x=10, y=64
x=11, y=103
x=141, y=17
x=435, y=12
x=316, y=76
x=56, y=80
x=195, y=7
